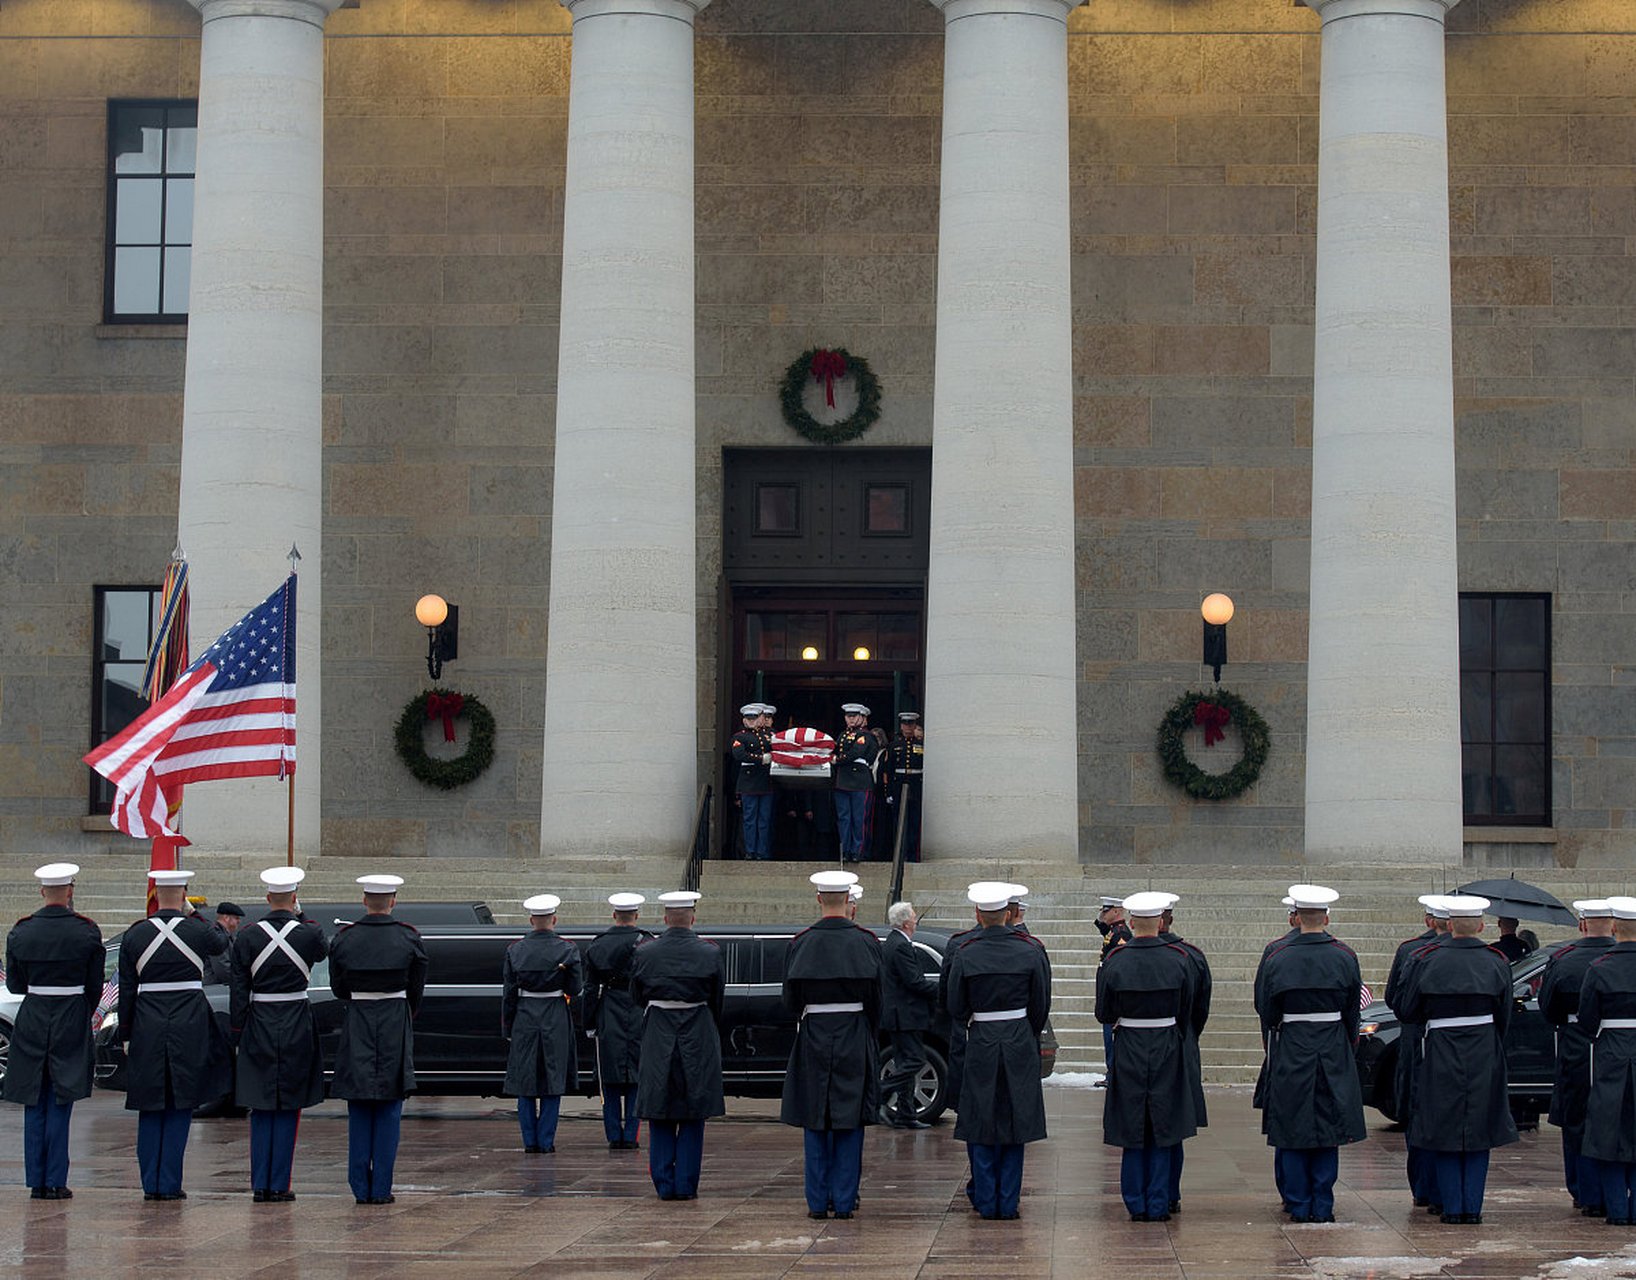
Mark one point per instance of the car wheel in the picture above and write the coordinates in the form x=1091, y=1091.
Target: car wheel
x=930, y=1088
x=5, y=1049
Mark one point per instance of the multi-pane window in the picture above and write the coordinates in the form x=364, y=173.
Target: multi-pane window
x=151, y=148
x=1505, y=709
x=123, y=635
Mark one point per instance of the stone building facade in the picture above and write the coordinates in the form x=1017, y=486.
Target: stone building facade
x=1193, y=147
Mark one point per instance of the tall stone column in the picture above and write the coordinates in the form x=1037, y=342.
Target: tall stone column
x=621, y=744
x=1383, y=710
x=1000, y=663
x=252, y=465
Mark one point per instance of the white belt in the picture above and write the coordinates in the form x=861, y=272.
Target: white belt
x=998, y=1015
x=380, y=995
x=854, y=1006
x=1144, y=1024
x=542, y=995
x=1474, y=1020
x=276, y=997
x=148, y=988
x=55, y=991
x=1330, y=1015
x=675, y=1004
x=912, y=773
x=1618, y=1024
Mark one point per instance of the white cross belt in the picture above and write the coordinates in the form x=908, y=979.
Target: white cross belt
x=276, y=997
x=675, y=1004
x=152, y=988
x=851, y=1006
x=1144, y=1024
x=542, y=995
x=1473, y=1020
x=55, y=991
x=1331, y=1015
x=380, y=995
x=998, y=1015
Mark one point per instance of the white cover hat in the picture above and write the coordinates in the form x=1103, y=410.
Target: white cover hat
x=854, y=709
x=1465, y=905
x=680, y=898
x=855, y=893
x=380, y=884
x=989, y=895
x=1150, y=903
x=1288, y=901
x=282, y=879
x=625, y=901
x=542, y=904
x=170, y=879
x=56, y=873
x=1311, y=897
x=1593, y=907
x=1623, y=908
x=1019, y=895
x=832, y=881
x=1112, y=900
x=750, y=709
x=1436, y=904
x=767, y=708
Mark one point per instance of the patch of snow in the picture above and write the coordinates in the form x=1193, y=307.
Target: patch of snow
x=781, y=1242
x=1395, y=1268
x=1076, y=1079
x=1610, y=1265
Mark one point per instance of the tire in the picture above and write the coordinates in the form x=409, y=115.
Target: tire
x=931, y=1085
x=5, y=1049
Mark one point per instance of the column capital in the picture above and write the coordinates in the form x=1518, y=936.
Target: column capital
x=681, y=10
x=316, y=12
x=1332, y=10
x=1058, y=10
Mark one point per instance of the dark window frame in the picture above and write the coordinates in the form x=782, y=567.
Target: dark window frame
x=164, y=177
x=1494, y=670
x=906, y=488
x=99, y=796
x=794, y=488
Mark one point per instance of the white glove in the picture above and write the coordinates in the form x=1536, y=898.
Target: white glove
x=766, y=759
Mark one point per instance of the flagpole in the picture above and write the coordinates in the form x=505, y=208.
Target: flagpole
x=289, y=776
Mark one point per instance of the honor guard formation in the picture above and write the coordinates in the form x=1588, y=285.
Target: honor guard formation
x=653, y=1004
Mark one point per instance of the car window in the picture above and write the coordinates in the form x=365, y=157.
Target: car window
x=466, y=962
x=741, y=959
x=774, y=951
x=320, y=974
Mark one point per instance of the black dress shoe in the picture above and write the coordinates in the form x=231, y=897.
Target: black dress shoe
x=280, y=1197
x=532, y=1151
x=154, y=1195
x=1435, y=1209
x=1159, y=1217
x=844, y=1217
x=1619, y=1222
x=689, y=1195
x=39, y=1193
x=1420, y=1202
x=1300, y=1217
x=1595, y=1211
x=1139, y=1217
x=360, y=1200
x=1175, y=1206
x=64, y=1193
x=1012, y=1216
x=1452, y=1217
x=1328, y=1217
x=1473, y=1219
x=818, y=1215
x=258, y=1196
x=383, y=1200
x=546, y=1151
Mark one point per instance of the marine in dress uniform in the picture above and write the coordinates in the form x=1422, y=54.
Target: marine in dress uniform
x=832, y=983
x=908, y=999
x=280, y=1069
x=906, y=765
x=1559, y=1002
x=857, y=752
x=377, y=965
x=1421, y=1170
x=1110, y=923
x=1000, y=988
x=1607, y=1015
x=1258, y=1097
x=1307, y=1000
x=54, y=958
x=752, y=752
x=1459, y=991
x=541, y=974
x=1193, y=1025
x=176, y=1056
x=614, y=1020
x=678, y=981
x=1146, y=989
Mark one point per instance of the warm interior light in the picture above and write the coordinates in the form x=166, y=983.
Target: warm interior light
x=1217, y=609
x=860, y=654
x=431, y=611
x=810, y=653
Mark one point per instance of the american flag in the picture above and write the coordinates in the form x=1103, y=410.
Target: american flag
x=802, y=748
x=105, y=1005
x=1366, y=997
x=230, y=715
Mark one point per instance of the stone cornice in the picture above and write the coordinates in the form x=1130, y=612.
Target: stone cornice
x=316, y=12
x=1332, y=10
x=1057, y=10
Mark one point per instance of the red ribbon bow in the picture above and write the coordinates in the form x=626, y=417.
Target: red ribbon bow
x=448, y=706
x=1213, y=718
x=827, y=366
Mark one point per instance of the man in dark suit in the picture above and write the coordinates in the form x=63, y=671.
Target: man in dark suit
x=908, y=996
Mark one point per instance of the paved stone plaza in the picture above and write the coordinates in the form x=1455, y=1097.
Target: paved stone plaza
x=471, y=1204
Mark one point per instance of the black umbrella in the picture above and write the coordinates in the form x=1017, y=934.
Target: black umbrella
x=1520, y=900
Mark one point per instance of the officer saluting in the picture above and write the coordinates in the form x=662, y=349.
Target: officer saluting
x=176, y=1058
x=857, y=751
x=541, y=974
x=678, y=979
x=614, y=1020
x=832, y=1085
x=280, y=1070
x=752, y=752
x=53, y=957
x=1607, y=1014
x=378, y=967
x=1000, y=987
x=1307, y=999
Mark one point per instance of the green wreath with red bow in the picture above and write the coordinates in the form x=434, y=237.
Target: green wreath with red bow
x=825, y=365
x=1212, y=712
x=447, y=706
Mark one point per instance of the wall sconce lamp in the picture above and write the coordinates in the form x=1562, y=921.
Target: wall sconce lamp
x=860, y=654
x=442, y=622
x=1218, y=612
x=810, y=653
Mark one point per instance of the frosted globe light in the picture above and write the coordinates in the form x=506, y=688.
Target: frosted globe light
x=810, y=653
x=1217, y=609
x=431, y=611
x=860, y=654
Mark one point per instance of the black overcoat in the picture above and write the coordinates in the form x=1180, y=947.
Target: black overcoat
x=833, y=1078
x=1313, y=1097
x=1609, y=991
x=543, y=1061
x=280, y=1067
x=609, y=1010
x=1460, y=1097
x=1193, y=1024
x=1000, y=969
x=1149, y=1095
x=680, y=1076
x=957, y=1030
x=54, y=947
x=175, y=1054
x=375, y=1060
x=1258, y=1096
x=1559, y=1002
x=1408, y=1040
x=908, y=992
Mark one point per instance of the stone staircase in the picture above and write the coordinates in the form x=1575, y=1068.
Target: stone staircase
x=1231, y=912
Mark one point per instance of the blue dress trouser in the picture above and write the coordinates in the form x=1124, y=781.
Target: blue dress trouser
x=1144, y=1179
x=272, y=1149
x=1618, y=1183
x=619, y=1118
x=1422, y=1171
x=161, y=1143
x=834, y=1165
x=851, y=809
x=758, y=825
x=1462, y=1177
x=1176, y=1155
x=1309, y=1180
x=372, y=1147
x=537, y=1118
x=1580, y=1173
x=996, y=1175
x=45, y=1138
x=675, y=1157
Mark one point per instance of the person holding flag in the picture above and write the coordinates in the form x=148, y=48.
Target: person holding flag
x=167, y=660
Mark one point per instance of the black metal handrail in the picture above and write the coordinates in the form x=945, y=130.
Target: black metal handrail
x=896, y=895
x=701, y=841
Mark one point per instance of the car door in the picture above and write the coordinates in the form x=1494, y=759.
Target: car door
x=1530, y=1041
x=457, y=1031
